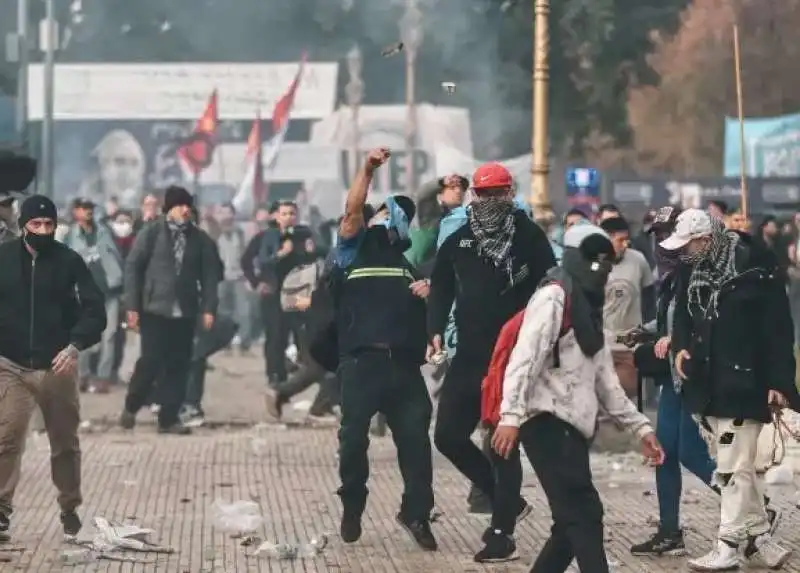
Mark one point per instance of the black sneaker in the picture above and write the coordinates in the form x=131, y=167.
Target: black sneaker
x=71, y=522
x=661, y=544
x=499, y=548
x=350, y=527
x=127, y=420
x=5, y=525
x=420, y=531
x=176, y=429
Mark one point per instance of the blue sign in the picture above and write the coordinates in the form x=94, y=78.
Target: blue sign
x=583, y=186
x=772, y=147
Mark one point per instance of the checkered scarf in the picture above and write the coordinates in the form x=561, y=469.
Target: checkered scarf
x=712, y=267
x=492, y=222
x=178, y=231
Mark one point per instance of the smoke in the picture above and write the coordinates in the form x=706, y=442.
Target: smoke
x=483, y=46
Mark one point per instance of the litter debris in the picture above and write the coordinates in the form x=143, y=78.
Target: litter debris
x=287, y=551
x=249, y=541
x=779, y=475
x=111, y=537
x=238, y=518
x=449, y=87
x=392, y=49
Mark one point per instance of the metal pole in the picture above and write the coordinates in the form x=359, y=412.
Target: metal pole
x=411, y=121
x=540, y=169
x=22, y=72
x=48, y=161
x=737, y=58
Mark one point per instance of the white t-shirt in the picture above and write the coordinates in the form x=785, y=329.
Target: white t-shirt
x=623, y=307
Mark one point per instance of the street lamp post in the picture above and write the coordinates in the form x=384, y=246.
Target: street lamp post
x=354, y=92
x=23, y=54
x=540, y=168
x=49, y=38
x=411, y=35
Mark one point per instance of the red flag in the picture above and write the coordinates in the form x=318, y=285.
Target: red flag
x=197, y=151
x=253, y=190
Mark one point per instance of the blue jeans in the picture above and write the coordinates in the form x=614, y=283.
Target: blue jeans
x=683, y=445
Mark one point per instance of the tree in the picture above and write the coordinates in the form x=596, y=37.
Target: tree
x=678, y=123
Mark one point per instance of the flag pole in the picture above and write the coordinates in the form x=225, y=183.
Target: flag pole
x=737, y=58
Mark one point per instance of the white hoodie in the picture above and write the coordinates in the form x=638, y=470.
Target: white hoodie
x=576, y=390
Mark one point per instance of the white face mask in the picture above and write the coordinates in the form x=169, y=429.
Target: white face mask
x=122, y=229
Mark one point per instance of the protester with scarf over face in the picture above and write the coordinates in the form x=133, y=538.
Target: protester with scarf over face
x=732, y=342
x=677, y=431
x=554, y=386
x=490, y=267
x=379, y=329
x=171, y=277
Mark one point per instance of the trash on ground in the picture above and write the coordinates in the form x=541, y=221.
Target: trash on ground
x=779, y=475
x=249, y=541
x=238, y=518
x=116, y=537
x=288, y=551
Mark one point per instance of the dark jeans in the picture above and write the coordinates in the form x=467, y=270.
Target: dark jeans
x=276, y=338
x=196, y=384
x=378, y=380
x=166, y=352
x=680, y=437
x=560, y=456
x=456, y=419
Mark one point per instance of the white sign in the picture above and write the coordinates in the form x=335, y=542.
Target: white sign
x=439, y=127
x=181, y=91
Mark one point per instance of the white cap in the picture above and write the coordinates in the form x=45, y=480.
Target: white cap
x=691, y=224
x=579, y=231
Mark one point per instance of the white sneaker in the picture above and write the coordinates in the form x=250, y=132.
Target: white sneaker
x=768, y=553
x=722, y=558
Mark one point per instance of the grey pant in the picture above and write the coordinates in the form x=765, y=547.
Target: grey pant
x=105, y=348
x=234, y=301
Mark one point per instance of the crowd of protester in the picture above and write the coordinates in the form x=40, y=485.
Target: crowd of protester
x=531, y=333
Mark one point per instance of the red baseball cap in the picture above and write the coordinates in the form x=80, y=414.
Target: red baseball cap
x=491, y=176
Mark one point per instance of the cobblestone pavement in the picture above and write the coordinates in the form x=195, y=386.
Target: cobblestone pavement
x=170, y=483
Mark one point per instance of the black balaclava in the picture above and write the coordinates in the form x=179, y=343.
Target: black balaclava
x=586, y=264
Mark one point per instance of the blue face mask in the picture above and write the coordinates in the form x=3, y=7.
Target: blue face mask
x=397, y=219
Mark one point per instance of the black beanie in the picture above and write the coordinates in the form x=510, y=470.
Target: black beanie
x=37, y=207
x=175, y=196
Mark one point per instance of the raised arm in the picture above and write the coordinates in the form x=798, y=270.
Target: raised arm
x=353, y=220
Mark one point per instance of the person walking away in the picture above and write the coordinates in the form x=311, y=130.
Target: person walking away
x=554, y=385
x=732, y=342
x=233, y=290
x=267, y=259
x=96, y=246
x=489, y=268
x=171, y=278
x=629, y=284
x=380, y=329
x=50, y=310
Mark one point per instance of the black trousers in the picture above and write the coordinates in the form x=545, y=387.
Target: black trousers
x=378, y=380
x=560, y=456
x=166, y=352
x=196, y=385
x=457, y=417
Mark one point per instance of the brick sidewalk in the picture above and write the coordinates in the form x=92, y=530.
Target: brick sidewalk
x=169, y=483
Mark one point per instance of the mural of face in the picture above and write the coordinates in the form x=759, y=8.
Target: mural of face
x=121, y=163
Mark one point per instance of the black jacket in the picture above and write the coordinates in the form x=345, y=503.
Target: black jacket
x=46, y=305
x=744, y=349
x=481, y=292
x=260, y=262
x=153, y=286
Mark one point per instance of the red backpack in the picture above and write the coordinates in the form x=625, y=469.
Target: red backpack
x=492, y=385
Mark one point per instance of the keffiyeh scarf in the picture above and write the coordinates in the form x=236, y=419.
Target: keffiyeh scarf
x=711, y=268
x=492, y=223
x=178, y=231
